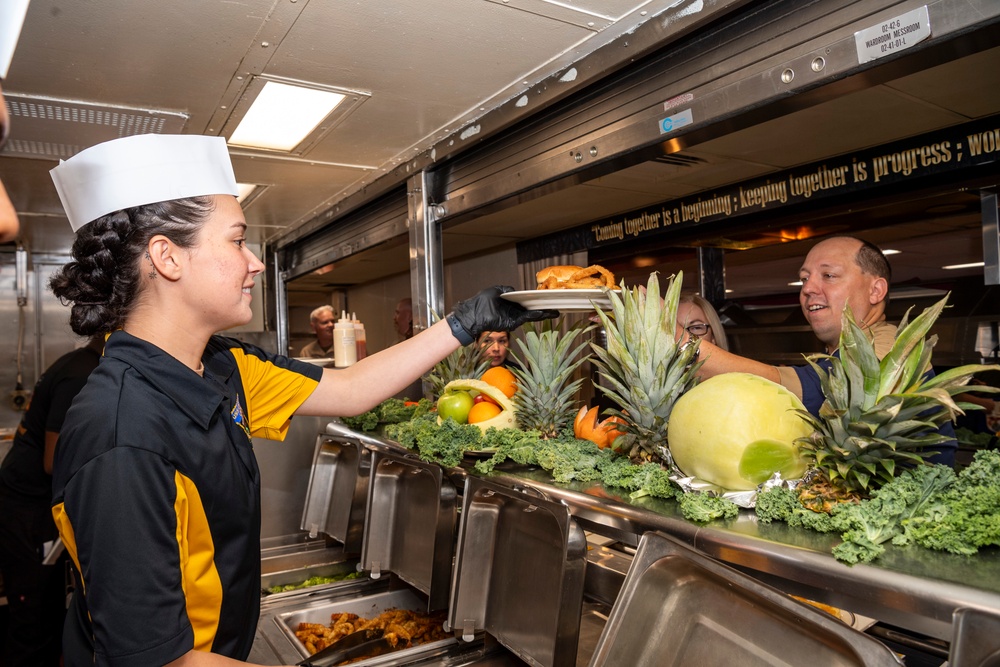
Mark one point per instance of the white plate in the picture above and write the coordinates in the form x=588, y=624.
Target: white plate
x=561, y=299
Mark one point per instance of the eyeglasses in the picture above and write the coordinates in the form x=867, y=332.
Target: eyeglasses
x=698, y=329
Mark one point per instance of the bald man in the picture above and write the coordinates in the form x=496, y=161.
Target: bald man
x=839, y=271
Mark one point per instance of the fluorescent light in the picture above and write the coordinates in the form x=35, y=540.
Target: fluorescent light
x=970, y=265
x=797, y=283
x=283, y=115
x=244, y=190
x=890, y=251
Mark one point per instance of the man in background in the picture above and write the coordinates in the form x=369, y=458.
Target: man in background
x=403, y=318
x=36, y=593
x=322, y=320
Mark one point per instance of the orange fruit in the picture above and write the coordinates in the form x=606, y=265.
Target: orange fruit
x=502, y=379
x=577, y=421
x=602, y=433
x=583, y=425
x=609, y=430
x=480, y=412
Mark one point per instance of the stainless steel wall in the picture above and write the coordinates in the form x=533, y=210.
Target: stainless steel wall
x=284, y=475
x=45, y=335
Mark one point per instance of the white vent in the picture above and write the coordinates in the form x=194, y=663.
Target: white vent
x=54, y=129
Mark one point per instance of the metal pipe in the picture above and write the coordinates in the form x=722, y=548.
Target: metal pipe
x=991, y=236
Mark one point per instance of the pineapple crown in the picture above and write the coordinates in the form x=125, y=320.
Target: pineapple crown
x=877, y=413
x=548, y=360
x=646, y=368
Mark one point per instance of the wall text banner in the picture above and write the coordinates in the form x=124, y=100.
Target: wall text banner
x=936, y=154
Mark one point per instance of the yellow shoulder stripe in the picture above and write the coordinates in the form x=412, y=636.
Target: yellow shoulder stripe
x=273, y=394
x=68, y=538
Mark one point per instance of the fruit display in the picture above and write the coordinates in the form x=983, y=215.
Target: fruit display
x=458, y=404
x=667, y=433
x=546, y=396
x=735, y=430
x=645, y=366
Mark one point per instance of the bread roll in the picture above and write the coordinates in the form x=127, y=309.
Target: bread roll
x=555, y=277
x=568, y=276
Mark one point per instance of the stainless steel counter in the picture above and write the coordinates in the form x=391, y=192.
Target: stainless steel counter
x=912, y=588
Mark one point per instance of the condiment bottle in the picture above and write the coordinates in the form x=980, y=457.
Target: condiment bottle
x=359, y=337
x=345, y=351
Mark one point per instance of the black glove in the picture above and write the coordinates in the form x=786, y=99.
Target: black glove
x=487, y=311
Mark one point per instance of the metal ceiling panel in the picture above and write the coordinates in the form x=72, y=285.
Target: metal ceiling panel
x=141, y=53
x=963, y=87
x=866, y=118
x=54, y=129
x=603, y=134
x=449, y=56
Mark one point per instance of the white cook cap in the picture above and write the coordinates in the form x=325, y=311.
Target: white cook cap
x=142, y=169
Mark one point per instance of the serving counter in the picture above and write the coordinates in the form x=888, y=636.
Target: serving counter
x=955, y=599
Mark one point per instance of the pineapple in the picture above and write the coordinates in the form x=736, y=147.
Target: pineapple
x=463, y=364
x=878, y=415
x=544, y=401
x=646, y=368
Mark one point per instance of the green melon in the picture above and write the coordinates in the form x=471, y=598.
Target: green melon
x=735, y=430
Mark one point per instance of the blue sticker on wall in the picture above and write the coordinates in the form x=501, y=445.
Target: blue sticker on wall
x=675, y=122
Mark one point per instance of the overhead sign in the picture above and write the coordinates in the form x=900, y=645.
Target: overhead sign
x=971, y=145
x=893, y=36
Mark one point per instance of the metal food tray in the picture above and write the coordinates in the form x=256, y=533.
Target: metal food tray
x=680, y=607
x=366, y=607
x=297, y=576
x=410, y=527
x=519, y=573
x=337, y=496
x=975, y=641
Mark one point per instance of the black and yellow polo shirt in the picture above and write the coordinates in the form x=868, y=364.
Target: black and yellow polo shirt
x=156, y=493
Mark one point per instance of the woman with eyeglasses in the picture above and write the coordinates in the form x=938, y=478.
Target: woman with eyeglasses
x=699, y=318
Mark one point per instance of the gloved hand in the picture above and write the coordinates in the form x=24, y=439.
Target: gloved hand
x=488, y=312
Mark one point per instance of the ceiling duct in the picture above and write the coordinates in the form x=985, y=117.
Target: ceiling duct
x=680, y=160
x=55, y=129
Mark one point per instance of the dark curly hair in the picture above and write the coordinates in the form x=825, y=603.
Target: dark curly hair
x=102, y=282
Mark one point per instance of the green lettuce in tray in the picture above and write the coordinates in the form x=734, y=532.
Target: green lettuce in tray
x=315, y=581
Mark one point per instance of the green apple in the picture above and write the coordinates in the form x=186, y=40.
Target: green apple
x=455, y=405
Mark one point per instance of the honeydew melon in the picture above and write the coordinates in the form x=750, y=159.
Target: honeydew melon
x=735, y=430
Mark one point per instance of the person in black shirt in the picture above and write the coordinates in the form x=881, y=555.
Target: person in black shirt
x=156, y=488
x=35, y=595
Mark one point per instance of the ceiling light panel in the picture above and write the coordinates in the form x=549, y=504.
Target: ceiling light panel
x=970, y=265
x=281, y=115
